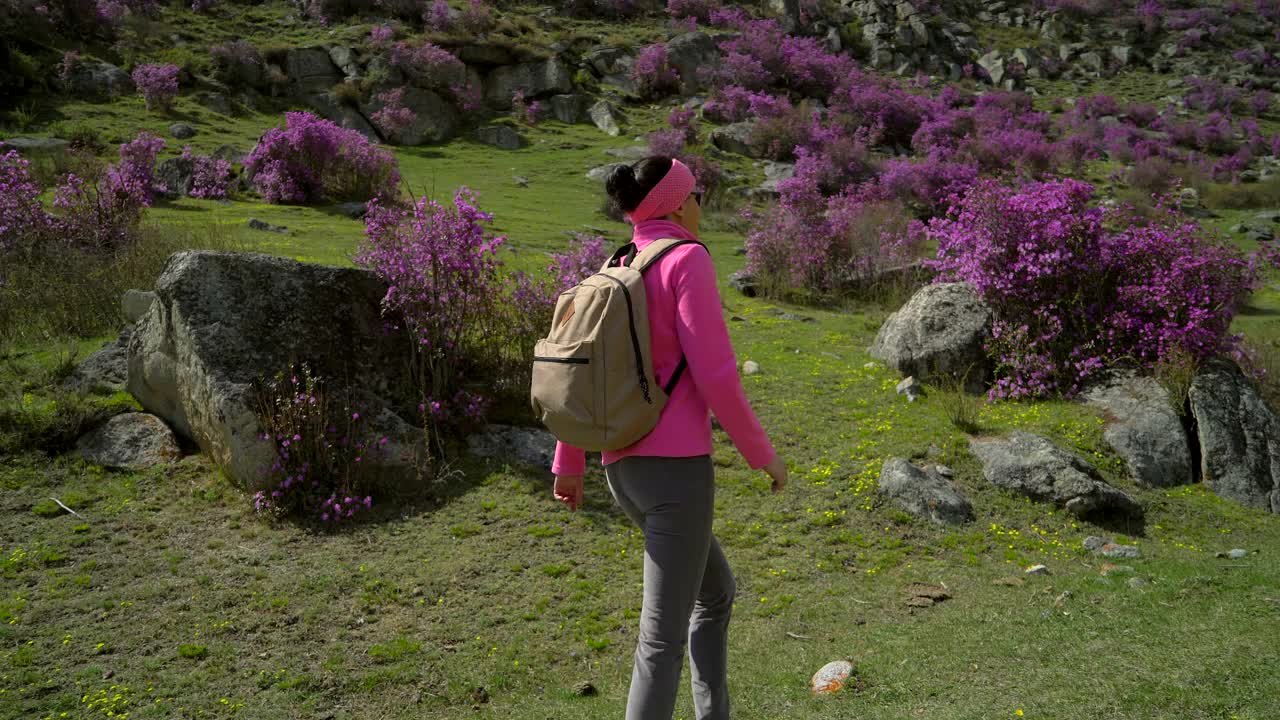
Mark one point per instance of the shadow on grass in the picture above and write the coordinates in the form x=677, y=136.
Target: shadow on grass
x=1254, y=311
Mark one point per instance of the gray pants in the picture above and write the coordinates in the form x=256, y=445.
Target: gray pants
x=688, y=587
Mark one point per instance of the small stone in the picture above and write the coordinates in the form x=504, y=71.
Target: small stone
x=922, y=602
x=1137, y=582
x=1237, y=554
x=870, y=366
x=911, y=388
x=108, y=674
x=944, y=471
x=750, y=367
x=1062, y=599
x=521, y=181
x=1037, y=570
x=831, y=677
x=182, y=131
x=1109, y=569
x=1093, y=543
x=1112, y=550
x=584, y=689
x=932, y=592
x=256, y=224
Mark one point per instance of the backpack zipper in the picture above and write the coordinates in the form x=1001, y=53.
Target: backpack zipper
x=635, y=339
x=567, y=361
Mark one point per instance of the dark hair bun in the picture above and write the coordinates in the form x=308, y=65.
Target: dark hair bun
x=627, y=185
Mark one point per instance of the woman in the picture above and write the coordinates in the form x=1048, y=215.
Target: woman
x=665, y=482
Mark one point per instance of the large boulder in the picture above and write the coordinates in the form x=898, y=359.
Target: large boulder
x=535, y=79
x=500, y=136
x=1144, y=429
x=568, y=109
x=605, y=116
x=924, y=493
x=690, y=53
x=436, y=120
x=311, y=71
x=939, y=333
x=175, y=176
x=32, y=148
x=739, y=138
x=1239, y=436
x=222, y=322
x=1033, y=466
x=96, y=80
x=106, y=369
x=343, y=115
x=132, y=441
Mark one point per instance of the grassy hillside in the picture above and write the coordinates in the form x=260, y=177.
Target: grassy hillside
x=166, y=596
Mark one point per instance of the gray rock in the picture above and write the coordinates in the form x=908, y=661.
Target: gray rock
x=605, y=116
x=924, y=493
x=343, y=115
x=175, y=176
x=345, y=60
x=436, y=120
x=1037, y=570
x=911, y=388
x=37, y=147
x=606, y=59
x=505, y=443
x=1271, y=216
x=182, y=131
x=939, y=333
x=132, y=441
x=230, y=153
x=264, y=226
x=1138, y=583
x=600, y=174
x=1237, y=553
x=569, y=109
x=630, y=152
x=994, y=63
x=1239, y=436
x=690, y=53
x=1112, y=550
x=136, y=303
x=223, y=321
x=831, y=677
x=96, y=80
x=774, y=174
x=310, y=71
x=750, y=367
x=217, y=102
x=1143, y=429
x=544, y=77
x=743, y=283
x=107, y=368
x=1091, y=61
x=739, y=138
x=1123, y=54
x=1033, y=466
x=354, y=210
x=1093, y=543
x=500, y=136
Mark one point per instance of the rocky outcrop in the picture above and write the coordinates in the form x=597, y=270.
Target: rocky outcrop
x=1239, y=436
x=1144, y=429
x=924, y=493
x=223, y=322
x=1032, y=466
x=535, y=79
x=938, y=334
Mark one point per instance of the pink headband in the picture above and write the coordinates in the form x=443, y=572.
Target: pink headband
x=667, y=196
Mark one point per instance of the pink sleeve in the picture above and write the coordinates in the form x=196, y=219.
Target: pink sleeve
x=712, y=365
x=569, y=460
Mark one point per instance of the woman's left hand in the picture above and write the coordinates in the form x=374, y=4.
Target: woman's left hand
x=568, y=490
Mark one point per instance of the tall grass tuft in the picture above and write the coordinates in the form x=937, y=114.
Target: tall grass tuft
x=961, y=407
x=52, y=292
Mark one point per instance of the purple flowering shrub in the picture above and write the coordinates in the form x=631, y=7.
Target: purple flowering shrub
x=428, y=66
x=532, y=297
x=23, y=220
x=320, y=450
x=211, y=177
x=380, y=36
x=733, y=103
x=1075, y=288
x=525, y=111
x=652, y=73
x=158, y=85
x=477, y=19
x=314, y=160
x=441, y=266
x=394, y=117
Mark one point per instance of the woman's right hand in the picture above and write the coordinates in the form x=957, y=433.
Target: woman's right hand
x=777, y=469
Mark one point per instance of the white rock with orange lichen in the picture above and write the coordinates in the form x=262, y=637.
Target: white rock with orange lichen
x=831, y=677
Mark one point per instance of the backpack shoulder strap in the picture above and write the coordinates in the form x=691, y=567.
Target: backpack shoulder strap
x=657, y=249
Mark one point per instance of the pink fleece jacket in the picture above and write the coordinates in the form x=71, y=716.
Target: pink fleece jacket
x=685, y=314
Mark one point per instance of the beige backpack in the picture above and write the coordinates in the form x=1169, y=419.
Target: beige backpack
x=593, y=382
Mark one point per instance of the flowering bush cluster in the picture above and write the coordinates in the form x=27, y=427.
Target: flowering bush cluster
x=652, y=73
x=525, y=111
x=211, y=177
x=320, y=451
x=380, y=36
x=394, y=117
x=532, y=297
x=314, y=160
x=436, y=17
x=22, y=217
x=441, y=267
x=1075, y=288
x=158, y=84
x=428, y=66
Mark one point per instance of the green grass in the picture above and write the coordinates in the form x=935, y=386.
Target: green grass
x=168, y=597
